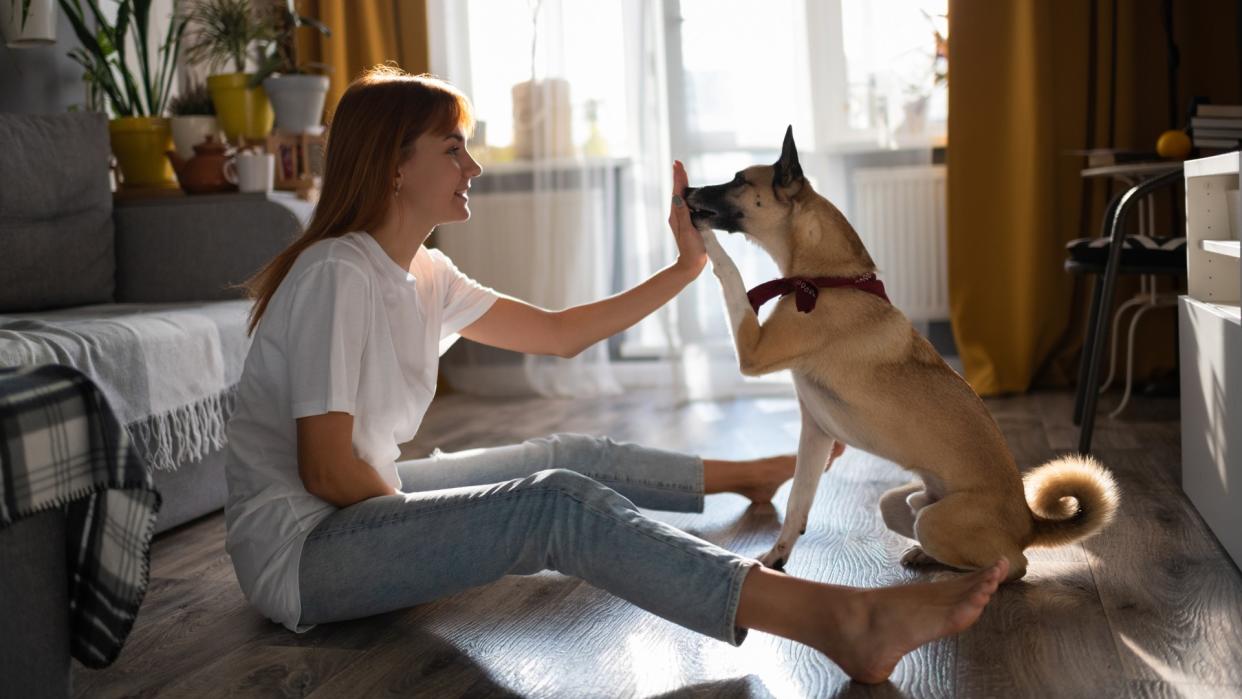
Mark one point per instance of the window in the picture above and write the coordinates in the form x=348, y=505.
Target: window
x=500, y=34
x=849, y=75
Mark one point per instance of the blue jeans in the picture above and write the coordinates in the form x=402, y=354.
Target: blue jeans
x=567, y=503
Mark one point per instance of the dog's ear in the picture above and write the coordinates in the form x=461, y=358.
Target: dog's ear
x=787, y=171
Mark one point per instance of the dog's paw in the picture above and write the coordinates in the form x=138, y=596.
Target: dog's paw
x=774, y=559
x=916, y=556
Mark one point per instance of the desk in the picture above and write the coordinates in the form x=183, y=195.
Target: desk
x=1130, y=171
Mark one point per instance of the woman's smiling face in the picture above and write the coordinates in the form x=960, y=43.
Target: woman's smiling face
x=435, y=177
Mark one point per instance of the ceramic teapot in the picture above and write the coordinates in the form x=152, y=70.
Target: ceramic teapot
x=210, y=170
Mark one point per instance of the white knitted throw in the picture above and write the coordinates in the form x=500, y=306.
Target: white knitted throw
x=169, y=370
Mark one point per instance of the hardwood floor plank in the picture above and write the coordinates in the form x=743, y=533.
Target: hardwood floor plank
x=1153, y=689
x=864, y=553
x=195, y=550
x=183, y=624
x=1047, y=631
x=1150, y=608
x=263, y=671
x=1173, y=598
x=440, y=647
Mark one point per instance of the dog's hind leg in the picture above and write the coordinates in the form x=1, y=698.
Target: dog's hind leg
x=954, y=531
x=897, y=510
x=816, y=450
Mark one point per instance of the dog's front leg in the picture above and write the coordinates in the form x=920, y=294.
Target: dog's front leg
x=743, y=322
x=816, y=451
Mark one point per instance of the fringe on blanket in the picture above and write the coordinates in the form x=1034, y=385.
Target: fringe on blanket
x=187, y=434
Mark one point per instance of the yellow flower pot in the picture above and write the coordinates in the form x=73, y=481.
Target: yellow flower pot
x=242, y=111
x=139, y=144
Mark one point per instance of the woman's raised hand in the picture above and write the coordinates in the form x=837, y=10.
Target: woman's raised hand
x=691, y=254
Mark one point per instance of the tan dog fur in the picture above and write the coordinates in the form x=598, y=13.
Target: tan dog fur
x=865, y=378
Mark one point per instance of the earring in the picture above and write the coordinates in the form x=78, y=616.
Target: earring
x=396, y=188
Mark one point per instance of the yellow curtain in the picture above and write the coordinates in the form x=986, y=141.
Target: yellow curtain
x=364, y=33
x=1021, y=98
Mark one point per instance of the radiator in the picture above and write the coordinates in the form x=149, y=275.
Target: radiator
x=899, y=212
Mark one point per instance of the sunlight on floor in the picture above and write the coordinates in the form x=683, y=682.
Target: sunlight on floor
x=707, y=412
x=1164, y=671
x=775, y=405
x=649, y=665
x=761, y=655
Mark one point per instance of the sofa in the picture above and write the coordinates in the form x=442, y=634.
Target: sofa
x=140, y=295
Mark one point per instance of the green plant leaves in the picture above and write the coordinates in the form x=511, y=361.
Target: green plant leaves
x=130, y=92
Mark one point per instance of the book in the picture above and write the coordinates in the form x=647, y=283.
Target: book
x=1229, y=143
x=1219, y=110
x=1219, y=133
x=1215, y=123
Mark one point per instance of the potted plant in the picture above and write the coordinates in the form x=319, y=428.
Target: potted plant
x=135, y=97
x=193, y=119
x=297, y=97
x=27, y=23
x=222, y=34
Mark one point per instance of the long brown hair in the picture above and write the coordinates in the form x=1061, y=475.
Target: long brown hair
x=373, y=131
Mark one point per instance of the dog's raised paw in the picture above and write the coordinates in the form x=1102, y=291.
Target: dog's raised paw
x=916, y=556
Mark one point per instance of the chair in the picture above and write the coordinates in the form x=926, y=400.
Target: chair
x=1119, y=254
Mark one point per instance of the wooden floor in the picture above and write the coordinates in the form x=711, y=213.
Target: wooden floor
x=1152, y=607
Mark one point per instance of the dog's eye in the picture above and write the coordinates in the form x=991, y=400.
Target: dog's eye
x=738, y=180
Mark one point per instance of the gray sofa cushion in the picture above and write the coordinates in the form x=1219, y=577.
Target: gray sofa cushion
x=55, y=211
x=193, y=248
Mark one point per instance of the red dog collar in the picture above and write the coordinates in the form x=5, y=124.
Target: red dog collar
x=807, y=289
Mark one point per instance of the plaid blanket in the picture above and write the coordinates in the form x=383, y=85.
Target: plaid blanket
x=62, y=446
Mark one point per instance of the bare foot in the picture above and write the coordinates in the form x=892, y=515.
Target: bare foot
x=886, y=623
x=762, y=477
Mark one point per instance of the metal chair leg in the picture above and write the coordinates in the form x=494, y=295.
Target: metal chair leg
x=1093, y=316
x=1096, y=350
x=1080, y=392
x=1117, y=226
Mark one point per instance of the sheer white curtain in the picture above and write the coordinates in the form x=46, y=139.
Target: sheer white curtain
x=840, y=72
x=547, y=211
x=574, y=198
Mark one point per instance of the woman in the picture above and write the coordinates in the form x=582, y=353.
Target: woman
x=325, y=524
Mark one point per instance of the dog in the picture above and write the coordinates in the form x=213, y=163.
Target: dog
x=865, y=378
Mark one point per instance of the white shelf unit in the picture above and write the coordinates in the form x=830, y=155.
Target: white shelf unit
x=1210, y=325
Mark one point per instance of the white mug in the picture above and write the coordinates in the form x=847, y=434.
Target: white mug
x=254, y=171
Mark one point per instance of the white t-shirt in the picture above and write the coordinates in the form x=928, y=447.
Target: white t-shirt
x=347, y=330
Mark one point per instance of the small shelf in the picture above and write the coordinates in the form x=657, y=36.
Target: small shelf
x=1232, y=248
x=1231, y=312
x=1223, y=164
x=1210, y=346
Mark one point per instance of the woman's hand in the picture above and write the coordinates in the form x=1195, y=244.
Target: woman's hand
x=691, y=254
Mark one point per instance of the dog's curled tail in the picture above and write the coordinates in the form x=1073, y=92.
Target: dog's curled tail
x=1071, y=498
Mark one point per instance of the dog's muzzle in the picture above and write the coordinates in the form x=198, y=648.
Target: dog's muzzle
x=697, y=211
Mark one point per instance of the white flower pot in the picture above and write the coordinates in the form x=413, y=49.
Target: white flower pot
x=40, y=27
x=191, y=130
x=297, y=101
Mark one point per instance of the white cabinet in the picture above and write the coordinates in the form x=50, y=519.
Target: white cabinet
x=1210, y=327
